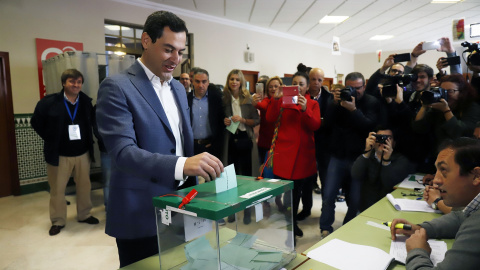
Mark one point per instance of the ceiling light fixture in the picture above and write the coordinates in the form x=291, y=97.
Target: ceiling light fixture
x=381, y=37
x=333, y=19
x=445, y=1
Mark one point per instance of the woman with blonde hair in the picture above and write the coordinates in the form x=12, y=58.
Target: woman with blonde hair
x=240, y=147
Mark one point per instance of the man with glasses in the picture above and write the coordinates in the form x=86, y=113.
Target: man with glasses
x=379, y=168
x=350, y=123
x=392, y=69
x=185, y=81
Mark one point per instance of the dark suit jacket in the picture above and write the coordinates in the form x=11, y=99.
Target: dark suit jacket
x=48, y=121
x=216, y=115
x=139, y=139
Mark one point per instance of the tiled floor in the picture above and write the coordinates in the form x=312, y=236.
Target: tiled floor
x=25, y=243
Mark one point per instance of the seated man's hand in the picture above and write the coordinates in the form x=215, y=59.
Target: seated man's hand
x=431, y=194
x=427, y=179
x=395, y=231
x=418, y=240
x=205, y=165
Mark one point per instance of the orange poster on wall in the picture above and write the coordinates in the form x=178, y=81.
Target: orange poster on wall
x=47, y=48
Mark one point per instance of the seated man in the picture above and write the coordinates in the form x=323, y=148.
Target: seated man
x=458, y=179
x=379, y=168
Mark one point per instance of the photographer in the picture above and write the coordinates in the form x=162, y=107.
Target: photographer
x=453, y=112
x=376, y=78
x=351, y=115
x=379, y=168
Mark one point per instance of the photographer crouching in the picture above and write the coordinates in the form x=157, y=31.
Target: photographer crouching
x=379, y=168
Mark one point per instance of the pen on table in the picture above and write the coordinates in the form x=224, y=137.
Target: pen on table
x=398, y=225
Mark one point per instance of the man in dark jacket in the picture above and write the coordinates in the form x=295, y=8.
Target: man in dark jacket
x=64, y=121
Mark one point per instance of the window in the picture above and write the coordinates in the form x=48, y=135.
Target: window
x=123, y=38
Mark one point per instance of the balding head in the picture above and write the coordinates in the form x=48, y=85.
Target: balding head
x=315, y=77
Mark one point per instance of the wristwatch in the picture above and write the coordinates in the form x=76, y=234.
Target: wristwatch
x=435, y=203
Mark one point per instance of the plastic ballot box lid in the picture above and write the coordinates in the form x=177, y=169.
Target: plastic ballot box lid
x=214, y=206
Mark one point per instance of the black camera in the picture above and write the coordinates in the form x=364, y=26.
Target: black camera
x=380, y=138
x=347, y=93
x=390, y=83
x=473, y=58
x=433, y=95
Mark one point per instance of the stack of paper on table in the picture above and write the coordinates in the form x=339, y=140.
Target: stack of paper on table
x=412, y=182
x=410, y=205
x=348, y=256
x=398, y=250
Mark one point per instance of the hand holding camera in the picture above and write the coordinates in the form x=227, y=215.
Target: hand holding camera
x=369, y=143
x=302, y=101
x=349, y=105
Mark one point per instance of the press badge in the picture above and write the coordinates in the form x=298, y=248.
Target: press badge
x=74, y=132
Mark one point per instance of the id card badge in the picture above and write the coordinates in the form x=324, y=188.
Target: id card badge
x=74, y=132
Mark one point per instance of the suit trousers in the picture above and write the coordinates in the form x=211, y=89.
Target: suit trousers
x=58, y=177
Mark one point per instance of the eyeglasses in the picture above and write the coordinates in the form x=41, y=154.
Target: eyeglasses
x=451, y=91
x=397, y=71
x=357, y=88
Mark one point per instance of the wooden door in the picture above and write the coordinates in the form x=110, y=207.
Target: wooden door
x=251, y=77
x=9, y=181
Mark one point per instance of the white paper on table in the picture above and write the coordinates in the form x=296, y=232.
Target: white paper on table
x=398, y=250
x=411, y=205
x=407, y=184
x=360, y=257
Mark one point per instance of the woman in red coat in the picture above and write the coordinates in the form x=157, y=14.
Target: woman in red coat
x=294, y=152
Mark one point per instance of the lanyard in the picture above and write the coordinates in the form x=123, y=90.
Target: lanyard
x=68, y=109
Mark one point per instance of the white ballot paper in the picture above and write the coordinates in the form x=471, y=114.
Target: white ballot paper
x=411, y=205
x=398, y=250
x=360, y=257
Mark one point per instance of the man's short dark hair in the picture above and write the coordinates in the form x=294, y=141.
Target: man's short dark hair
x=467, y=153
x=425, y=68
x=158, y=20
x=200, y=71
x=71, y=73
x=353, y=76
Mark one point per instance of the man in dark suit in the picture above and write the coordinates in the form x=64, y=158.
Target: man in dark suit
x=144, y=120
x=207, y=114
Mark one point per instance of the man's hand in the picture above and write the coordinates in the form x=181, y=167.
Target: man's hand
x=370, y=141
x=418, y=240
x=387, y=149
x=399, y=97
x=445, y=45
x=394, y=231
x=427, y=179
x=349, y=105
x=205, y=165
x=417, y=51
x=441, y=64
x=388, y=63
x=430, y=194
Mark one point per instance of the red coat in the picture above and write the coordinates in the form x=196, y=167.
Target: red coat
x=294, y=155
x=265, y=134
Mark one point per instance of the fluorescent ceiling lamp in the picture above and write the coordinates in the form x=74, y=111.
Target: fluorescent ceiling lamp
x=112, y=27
x=333, y=19
x=381, y=37
x=445, y=1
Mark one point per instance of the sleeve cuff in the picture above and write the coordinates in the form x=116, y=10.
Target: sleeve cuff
x=179, y=169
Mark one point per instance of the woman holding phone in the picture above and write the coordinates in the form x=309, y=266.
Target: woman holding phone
x=294, y=150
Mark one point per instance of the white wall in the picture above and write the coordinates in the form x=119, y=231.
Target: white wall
x=218, y=47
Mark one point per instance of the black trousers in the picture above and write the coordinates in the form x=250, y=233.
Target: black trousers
x=134, y=250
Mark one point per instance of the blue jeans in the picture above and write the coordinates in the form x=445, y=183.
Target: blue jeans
x=339, y=175
x=106, y=172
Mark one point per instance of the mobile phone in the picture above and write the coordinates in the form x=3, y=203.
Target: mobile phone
x=403, y=57
x=431, y=45
x=259, y=88
x=454, y=60
x=290, y=96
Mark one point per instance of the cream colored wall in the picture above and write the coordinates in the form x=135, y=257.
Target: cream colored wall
x=218, y=48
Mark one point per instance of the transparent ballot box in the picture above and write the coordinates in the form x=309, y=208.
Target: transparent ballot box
x=202, y=236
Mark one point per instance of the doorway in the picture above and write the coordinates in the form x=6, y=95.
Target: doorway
x=251, y=78
x=9, y=182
